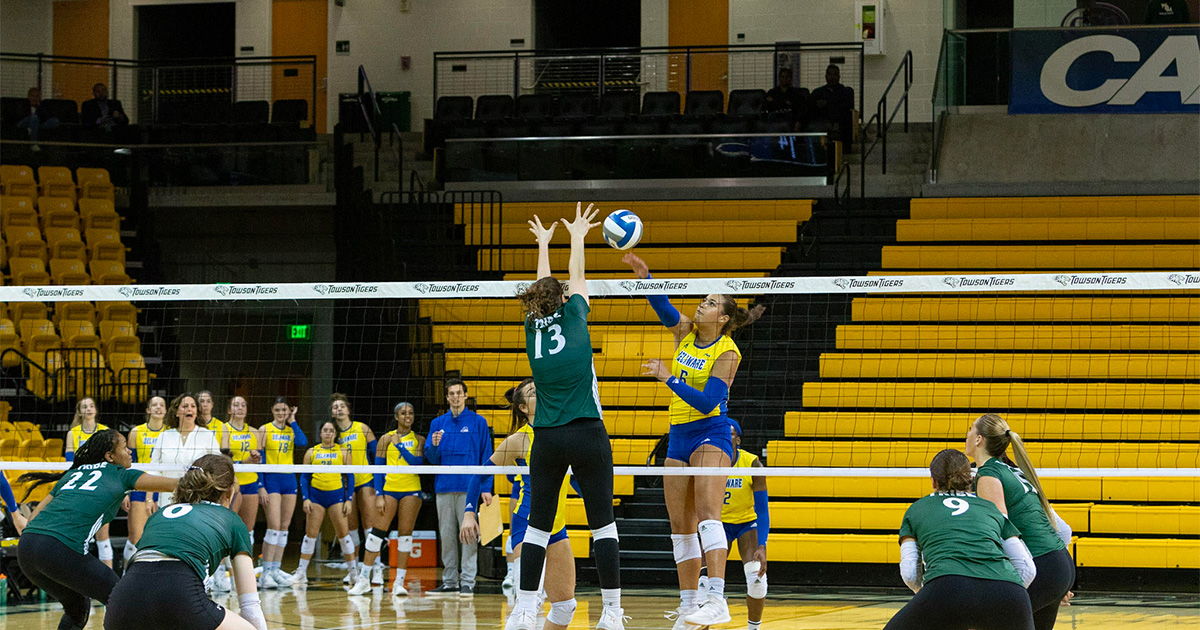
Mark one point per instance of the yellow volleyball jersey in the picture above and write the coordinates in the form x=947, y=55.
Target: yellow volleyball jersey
x=739, y=493
x=693, y=365
x=145, y=439
x=523, y=500
x=400, y=482
x=78, y=437
x=355, y=439
x=279, y=444
x=241, y=444
x=331, y=456
x=217, y=427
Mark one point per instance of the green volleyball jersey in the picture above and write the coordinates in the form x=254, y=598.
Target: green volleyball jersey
x=199, y=534
x=560, y=355
x=1024, y=507
x=85, y=499
x=960, y=534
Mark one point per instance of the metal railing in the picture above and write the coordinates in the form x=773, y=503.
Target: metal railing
x=883, y=120
x=372, y=116
x=73, y=373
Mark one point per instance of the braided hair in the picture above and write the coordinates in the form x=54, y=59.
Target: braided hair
x=92, y=451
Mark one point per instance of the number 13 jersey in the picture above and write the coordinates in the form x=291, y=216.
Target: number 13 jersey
x=560, y=356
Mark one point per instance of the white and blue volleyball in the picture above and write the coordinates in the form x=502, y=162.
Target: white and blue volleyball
x=622, y=229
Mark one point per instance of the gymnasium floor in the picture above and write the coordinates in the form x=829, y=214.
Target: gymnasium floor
x=323, y=605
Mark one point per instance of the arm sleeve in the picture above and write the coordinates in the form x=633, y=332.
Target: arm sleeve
x=380, y=477
x=407, y=455
x=6, y=493
x=301, y=439
x=1064, y=530
x=473, y=488
x=490, y=481
x=715, y=390
x=70, y=456
x=348, y=486
x=305, y=482
x=763, y=511
x=1018, y=554
x=372, y=449
x=910, y=565
x=667, y=314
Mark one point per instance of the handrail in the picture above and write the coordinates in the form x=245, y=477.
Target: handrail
x=398, y=143
x=884, y=123
x=372, y=117
x=838, y=197
x=941, y=82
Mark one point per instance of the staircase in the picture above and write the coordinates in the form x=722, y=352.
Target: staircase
x=907, y=162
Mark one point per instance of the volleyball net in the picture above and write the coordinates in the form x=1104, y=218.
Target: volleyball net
x=854, y=377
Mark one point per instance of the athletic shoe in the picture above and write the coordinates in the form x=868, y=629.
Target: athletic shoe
x=509, y=578
x=466, y=592
x=362, y=585
x=398, y=589
x=612, y=619
x=377, y=575
x=282, y=580
x=299, y=578
x=266, y=580
x=444, y=589
x=351, y=575
x=712, y=612
x=679, y=614
x=521, y=619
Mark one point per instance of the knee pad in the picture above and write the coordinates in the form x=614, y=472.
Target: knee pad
x=308, y=546
x=712, y=536
x=756, y=587
x=374, y=542
x=129, y=550
x=270, y=537
x=404, y=544
x=534, y=536
x=348, y=545
x=608, y=531
x=354, y=536
x=686, y=546
x=281, y=536
x=104, y=549
x=561, y=613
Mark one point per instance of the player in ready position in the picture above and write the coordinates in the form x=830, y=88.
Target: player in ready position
x=747, y=519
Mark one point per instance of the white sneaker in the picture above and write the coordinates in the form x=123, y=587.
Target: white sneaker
x=362, y=585
x=679, y=614
x=398, y=589
x=282, y=580
x=715, y=610
x=521, y=619
x=351, y=575
x=508, y=580
x=377, y=575
x=299, y=578
x=221, y=582
x=612, y=619
x=266, y=581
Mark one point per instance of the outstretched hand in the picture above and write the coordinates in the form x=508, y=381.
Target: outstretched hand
x=639, y=266
x=540, y=233
x=583, y=220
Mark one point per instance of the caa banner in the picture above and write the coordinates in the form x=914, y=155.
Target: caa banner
x=1105, y=71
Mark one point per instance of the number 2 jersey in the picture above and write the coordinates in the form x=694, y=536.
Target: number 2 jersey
x=82, y=501
x=960, y=534
x=560, y=355
x=739, y=493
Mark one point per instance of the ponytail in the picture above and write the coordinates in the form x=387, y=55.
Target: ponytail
x=207, y=479
x=738, y=316
x=1026, y=466
x=997, y=437
x=951, y=471
x=516, y=398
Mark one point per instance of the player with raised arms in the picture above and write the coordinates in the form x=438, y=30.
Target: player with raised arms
x=53, y=551
x=1017, y=493
x=360, y=440
x=142, y=440
x=963, y=558
x=747, y=519
x=163, y=589
x=699, y=376
x=328, y=493
x=83, y=426
x=569, y=429
x=280, y=439
x=396, y=494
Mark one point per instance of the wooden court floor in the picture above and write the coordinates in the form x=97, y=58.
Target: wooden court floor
x=323, y=605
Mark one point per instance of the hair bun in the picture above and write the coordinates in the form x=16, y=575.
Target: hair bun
x=508, y=394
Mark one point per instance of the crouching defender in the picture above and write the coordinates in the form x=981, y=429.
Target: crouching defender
x=747, y=520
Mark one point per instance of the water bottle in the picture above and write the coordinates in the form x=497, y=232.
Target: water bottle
x=3, y=590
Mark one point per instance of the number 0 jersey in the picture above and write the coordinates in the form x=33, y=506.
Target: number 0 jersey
x=199, y=534
x=560, y=355
x=693, y=365
x=1024, y=508
x=960, y=534
x=739, y=493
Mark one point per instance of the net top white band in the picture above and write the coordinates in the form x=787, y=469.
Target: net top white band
x=952, y=283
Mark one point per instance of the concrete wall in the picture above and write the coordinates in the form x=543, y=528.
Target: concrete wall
x=26, y=27
x=1069, y=154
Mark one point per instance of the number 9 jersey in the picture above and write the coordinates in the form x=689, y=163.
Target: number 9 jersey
x=560, y=355
x=960, y=534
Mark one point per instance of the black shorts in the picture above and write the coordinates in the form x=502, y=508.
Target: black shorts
x=956, y=602
x=161, y=596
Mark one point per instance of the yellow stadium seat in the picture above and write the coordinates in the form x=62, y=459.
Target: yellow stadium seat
x=1051, y=207
x=1050, y=229
x=1140, y=553
x=17, y=212
x=8, y=448
x=104, y=245
x=28, y=271
x=897, y=454
x=94, y=183
x=25, y=242
x=37, y=335
x=57, y=212
x=17, y=180
x=117, y=311
x=101, y=219
x=1053, y=257
x=1009, y=366
x=516, y=366
x=108, y=272
x=56, y=181
x=1143, y=489
x=1134, y=396
x=665, y=232
x=1032, y=337
x=29, y=449
x=28, y=310
x=65, y=242
x=88, y=207
x=78, y=334
x=28, y=430
x=664, y=211
x=1045, y=426
x=1136, y=520
x=68, y=271
x=9, y=341
x=74, y=310
x=52, y=448
x=131, y=377
x=1009, y=309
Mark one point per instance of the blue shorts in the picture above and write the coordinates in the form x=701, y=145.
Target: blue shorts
x=734, y=531
x=327, y=498
x=251, y=488
x=280, y=483
x=400, y=495
x=140, y=497
x=516, y=532
x=685, y=438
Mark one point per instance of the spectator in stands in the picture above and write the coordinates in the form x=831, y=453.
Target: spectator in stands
x=834, y=105
x=102, y=112
x=1167, y=12
x=786, y=98
x=459, y=437
x=29, y=118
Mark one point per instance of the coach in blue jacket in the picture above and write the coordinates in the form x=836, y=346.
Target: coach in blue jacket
x=460, y=437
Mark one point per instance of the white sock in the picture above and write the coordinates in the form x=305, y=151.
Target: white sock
x=129, y=550
x=611, y=597
x=379, y=561
x=400, y=573
x=716, y=586
x=689, y=598
x=353, y=566
x=302, y=568
x=527, y=599
x=753, y=625
x=510, y=570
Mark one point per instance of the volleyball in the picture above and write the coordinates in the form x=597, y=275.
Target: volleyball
x=622, y=229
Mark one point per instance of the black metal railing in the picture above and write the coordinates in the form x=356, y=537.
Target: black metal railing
x=883, y=120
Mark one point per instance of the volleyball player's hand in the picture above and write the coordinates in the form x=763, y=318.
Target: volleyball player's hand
x=125, y=504
x=308, y=506
x=656, y=368
x=262, y=495
x=153, y=506
x=255, y=457
x=485, y=498
x=640, y=268
x=760, y=556
x=292, y=415
x=540, y=233
x=346, y=505
x=379, y=504
x=583, y=220
x=19, y=521
x=1066, y=600
x=469, y=533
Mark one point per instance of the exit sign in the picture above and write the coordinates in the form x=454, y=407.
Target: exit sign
x=299, y=332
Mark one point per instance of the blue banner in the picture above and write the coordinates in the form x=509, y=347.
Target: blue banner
x=1105, y=71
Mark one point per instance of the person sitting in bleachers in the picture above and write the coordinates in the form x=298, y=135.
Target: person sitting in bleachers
x=102, y=112
x=786, y=98
x=833, y=104
x=29, y=118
